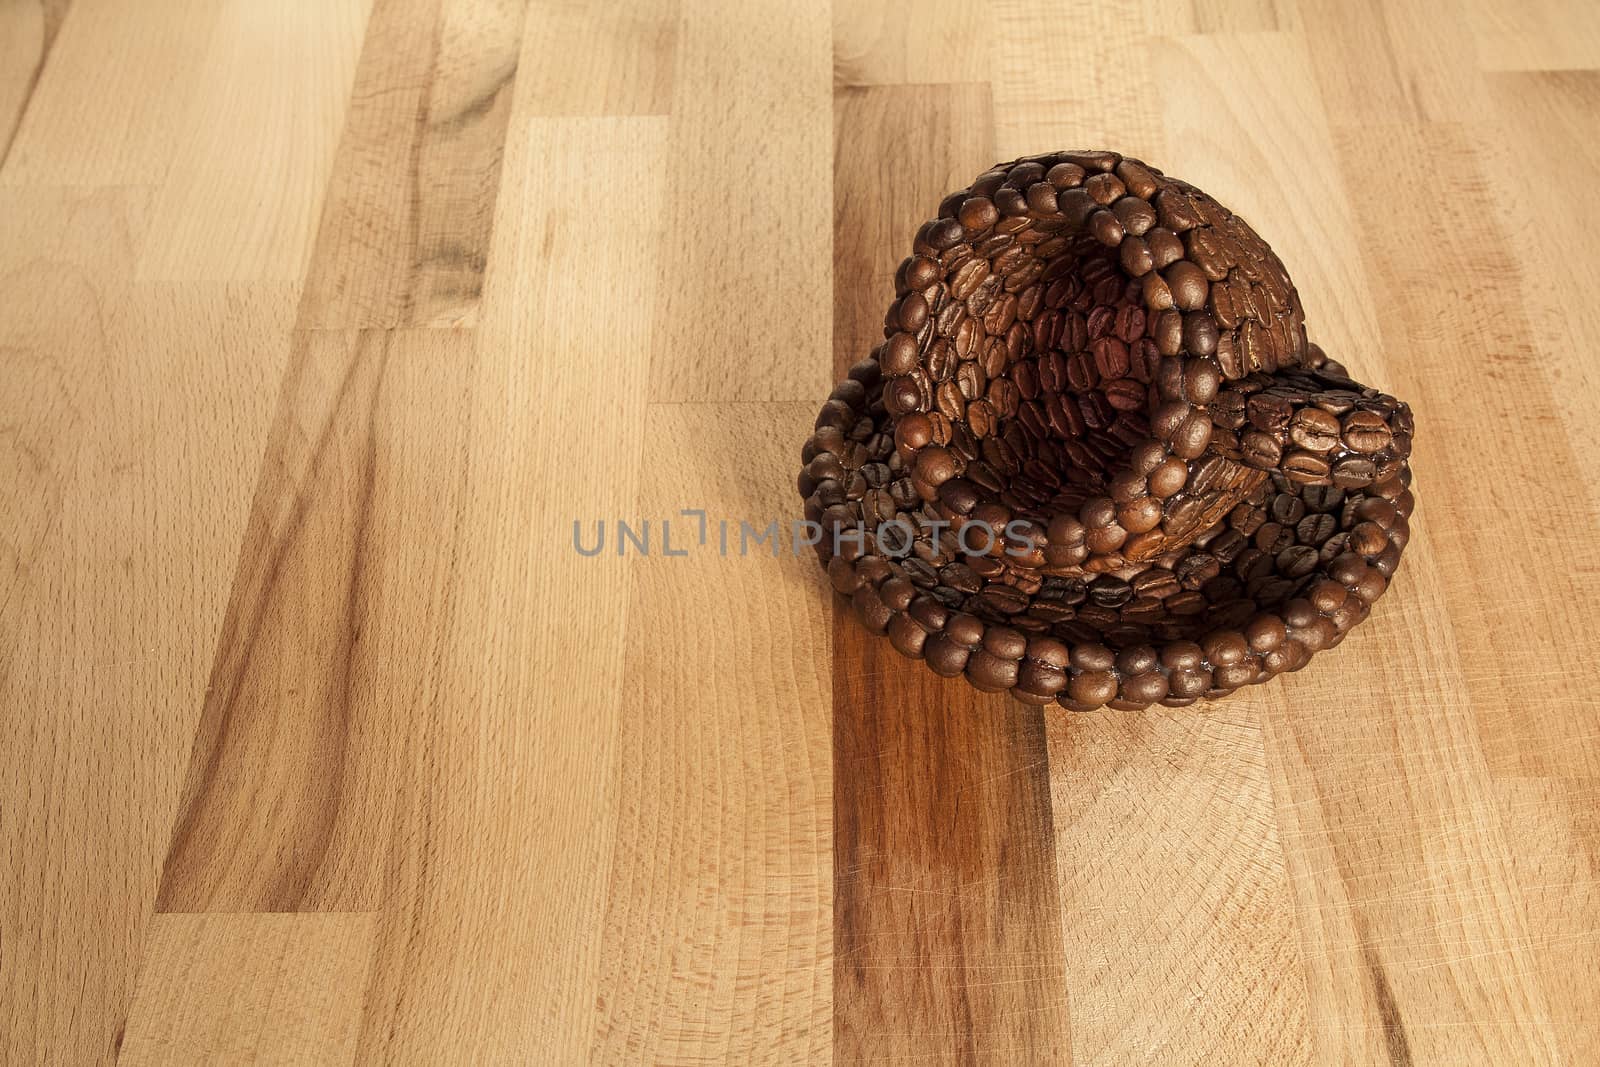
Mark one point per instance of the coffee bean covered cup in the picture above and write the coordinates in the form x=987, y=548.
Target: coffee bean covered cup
x=1114, y=469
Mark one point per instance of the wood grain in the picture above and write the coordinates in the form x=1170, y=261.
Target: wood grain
x=404, y=237
x=249, y=988
x=1172, y=881
x=321, y=324
x=27, y=32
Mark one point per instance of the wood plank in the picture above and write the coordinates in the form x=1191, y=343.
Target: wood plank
x=1499, y=450
x=404, y=237
x=27, y=32
x=1181, y=942
x=112, y=105
x=1541, y=750
x=363, y=469
x=1544, y=122
x=508, y=811
x=599, y=59
x=910, y=42
x=1085, y=81
x=1446, y=975
x=717, y=940
x=947, y=926
x=1536, y=35
x=1387, y=975
x=124, y=495
x=1382, y=63
x=1175, y=17
x=321, y=668
x=250, y=988
x=744, y=296
x=243, y=197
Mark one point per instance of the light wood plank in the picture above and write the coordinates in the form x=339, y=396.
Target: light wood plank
x=911, y=42
x=243, y=197
x=250, y=989
x=134, y=420
x=1452, y=980
x=1534, y=35
x=320, y=670
x=1180, y=935
x=507, y=819
x=113, y=103
x=744, y=294
x=599, y=59
x=717, y=941
x=1380, y=63
x=1084, y=81
x=1486, y=454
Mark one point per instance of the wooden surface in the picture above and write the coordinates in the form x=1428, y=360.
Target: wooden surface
x=322, y=320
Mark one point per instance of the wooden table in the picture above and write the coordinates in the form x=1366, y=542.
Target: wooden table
x=322, y=321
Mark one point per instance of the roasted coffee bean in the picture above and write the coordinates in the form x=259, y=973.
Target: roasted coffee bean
x=1125, y=394
x=1260, y=450
x=1188, y=285
x=981, y=417
x=950, y=401
x=1269, y=413
x=1305, y=467
x=1111, y=357
x=1353, y=472
x=970, y=380
x=1165, y=247
x=965, y=281
x=1365, y=431
x=1314, y=430
x=1081, y=372
x=1287, y=508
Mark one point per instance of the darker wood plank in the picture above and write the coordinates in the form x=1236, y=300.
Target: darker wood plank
x=947, y=931
x=330, y=644
x=404, y=238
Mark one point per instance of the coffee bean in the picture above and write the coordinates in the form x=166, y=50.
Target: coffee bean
x=981, y=418
x=1365, y=431
x=1314, y=430
x=1305, y=467
x=970, y=380
x=1065, y=175
x=1041, y=198
x=1135, y=256
x=1125, y=394
x=950, y=401
x=1260, y=450
x=1081, y=374
x=1269, y=414
x=965, y=281
x=1106, y=228
x=1188, y=285
x=1165, y=247
x=1353, y=472
x=1176, y=211
x=1157, y=294
x=978, y=214
x=1101, y=321
x=1111, y=357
